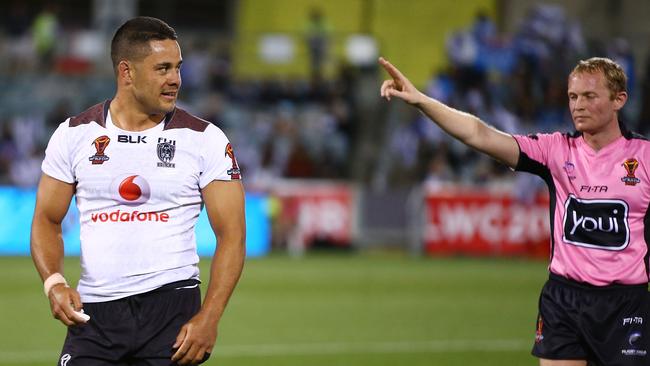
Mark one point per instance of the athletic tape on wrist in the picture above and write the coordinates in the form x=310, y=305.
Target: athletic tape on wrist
x=54, y=279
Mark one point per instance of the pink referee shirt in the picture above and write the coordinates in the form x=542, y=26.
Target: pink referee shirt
x=599, y=205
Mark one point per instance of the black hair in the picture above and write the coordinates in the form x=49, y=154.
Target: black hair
x=131, y=40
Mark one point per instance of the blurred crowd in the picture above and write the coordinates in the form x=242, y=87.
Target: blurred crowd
x=308, y=128
x=516, y=82
x=280, y=128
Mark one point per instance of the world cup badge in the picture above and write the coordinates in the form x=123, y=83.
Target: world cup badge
x=234, y=171
x=100, y=144
x=630, y=166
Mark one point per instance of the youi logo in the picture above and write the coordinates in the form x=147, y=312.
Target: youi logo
x=130, y=189
x=597, y=224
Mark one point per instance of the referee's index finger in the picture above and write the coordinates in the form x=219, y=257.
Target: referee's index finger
x=392, y=70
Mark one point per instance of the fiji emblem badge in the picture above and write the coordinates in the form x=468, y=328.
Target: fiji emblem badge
x=166, y=150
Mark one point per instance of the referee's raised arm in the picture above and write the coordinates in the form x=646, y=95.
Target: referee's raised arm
x=463, y=126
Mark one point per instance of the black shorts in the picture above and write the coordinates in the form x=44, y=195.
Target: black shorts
x=136, y=330
x=604, y=325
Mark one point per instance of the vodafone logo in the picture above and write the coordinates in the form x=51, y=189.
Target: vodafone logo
x=131, y=189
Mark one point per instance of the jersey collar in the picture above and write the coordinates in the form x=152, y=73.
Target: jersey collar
x=107, y=105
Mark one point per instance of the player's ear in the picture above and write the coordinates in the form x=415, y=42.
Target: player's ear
x=619, y=100
x=125, y=71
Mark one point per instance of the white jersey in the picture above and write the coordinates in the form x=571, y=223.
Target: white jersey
x=138, y=195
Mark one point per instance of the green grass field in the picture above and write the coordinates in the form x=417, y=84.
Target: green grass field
x=371, y=309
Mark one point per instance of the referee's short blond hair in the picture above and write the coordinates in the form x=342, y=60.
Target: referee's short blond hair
x=614, y=75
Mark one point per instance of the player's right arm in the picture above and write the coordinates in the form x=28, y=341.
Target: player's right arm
x=463, y=126
x=52, y=201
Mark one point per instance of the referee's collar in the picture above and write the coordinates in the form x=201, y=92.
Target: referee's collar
x=624, y=131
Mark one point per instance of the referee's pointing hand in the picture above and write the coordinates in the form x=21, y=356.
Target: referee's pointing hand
x=399, y=86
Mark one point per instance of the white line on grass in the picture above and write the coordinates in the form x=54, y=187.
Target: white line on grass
x=306, y=349
x=437, y=346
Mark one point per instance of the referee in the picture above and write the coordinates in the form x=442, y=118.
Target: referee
x=593, y=310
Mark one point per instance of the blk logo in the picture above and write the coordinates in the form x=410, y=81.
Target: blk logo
x=130, y=190
x=128, y=139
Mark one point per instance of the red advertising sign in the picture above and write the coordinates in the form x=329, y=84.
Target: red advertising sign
x=483, y=223
x=317, y=211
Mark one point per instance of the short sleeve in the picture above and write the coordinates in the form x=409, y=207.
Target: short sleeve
x=57, y=163
x=534, y=148
x=218, y=161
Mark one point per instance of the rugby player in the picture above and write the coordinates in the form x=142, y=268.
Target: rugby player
x=141, y=170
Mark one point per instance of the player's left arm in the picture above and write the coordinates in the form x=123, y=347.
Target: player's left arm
x=224, y=203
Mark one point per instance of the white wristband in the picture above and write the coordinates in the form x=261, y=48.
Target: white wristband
x=54, y=279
